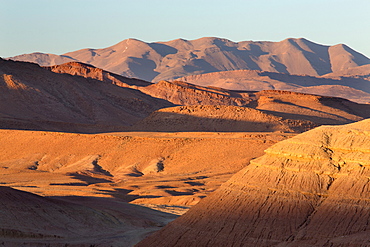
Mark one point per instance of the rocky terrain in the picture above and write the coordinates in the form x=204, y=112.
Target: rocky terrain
x=289, y=105
x=177, y=58
x=38, y=99
x=310, y=190
x=76, y=97
x=352, y=84
x=169, y=146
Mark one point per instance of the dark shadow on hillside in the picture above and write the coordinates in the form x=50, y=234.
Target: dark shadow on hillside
x=124, y=194
x=123, y=211
x=88, y=179
x=362, y=110
x=214, y=122
x=175, y=122
x=143, y=67
x=163, y=49
x=54, y=126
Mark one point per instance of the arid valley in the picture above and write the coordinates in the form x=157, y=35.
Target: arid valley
x=204, y=142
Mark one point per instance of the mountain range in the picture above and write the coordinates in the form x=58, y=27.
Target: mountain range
x=197, y=141
x=178, y=58
x=77, y=97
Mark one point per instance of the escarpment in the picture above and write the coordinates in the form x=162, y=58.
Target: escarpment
x=310, y=190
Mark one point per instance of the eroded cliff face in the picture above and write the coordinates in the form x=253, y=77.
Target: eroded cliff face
x=310, y=190
x=89, y=71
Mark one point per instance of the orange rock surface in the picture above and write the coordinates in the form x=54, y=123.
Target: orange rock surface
x=310, y=190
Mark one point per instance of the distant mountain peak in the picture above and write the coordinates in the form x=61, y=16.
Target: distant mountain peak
x=169, y=60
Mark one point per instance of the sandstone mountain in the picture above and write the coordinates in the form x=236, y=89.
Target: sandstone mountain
x=352, y=84
x=177, y=58
x=35, y=98
x=288, y=105
x=310, y=190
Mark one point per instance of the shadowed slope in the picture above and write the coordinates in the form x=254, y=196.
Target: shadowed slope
x=39, y=221
x=35, y=98
x=310, y=190
x=219, y=119
x=177, y=58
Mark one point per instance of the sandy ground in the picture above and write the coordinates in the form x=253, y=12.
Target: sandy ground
x=166, y=171
x=123, y=176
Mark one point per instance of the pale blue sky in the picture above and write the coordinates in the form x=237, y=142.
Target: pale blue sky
x=60, y=26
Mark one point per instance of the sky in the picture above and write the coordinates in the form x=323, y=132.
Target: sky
x=60, y=26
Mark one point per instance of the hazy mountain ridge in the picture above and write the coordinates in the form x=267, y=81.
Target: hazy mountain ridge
x=177, y=58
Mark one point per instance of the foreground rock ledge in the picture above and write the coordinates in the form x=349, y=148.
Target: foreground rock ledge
x=310, y=190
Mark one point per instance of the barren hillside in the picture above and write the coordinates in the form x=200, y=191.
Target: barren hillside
x=289, y=105
x=35, y=98
x=310, y=190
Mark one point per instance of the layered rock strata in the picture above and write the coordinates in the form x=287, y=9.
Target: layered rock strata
x=310, y=190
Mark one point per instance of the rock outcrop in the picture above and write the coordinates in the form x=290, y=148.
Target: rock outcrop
x=89, y=71
x=310, y=190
